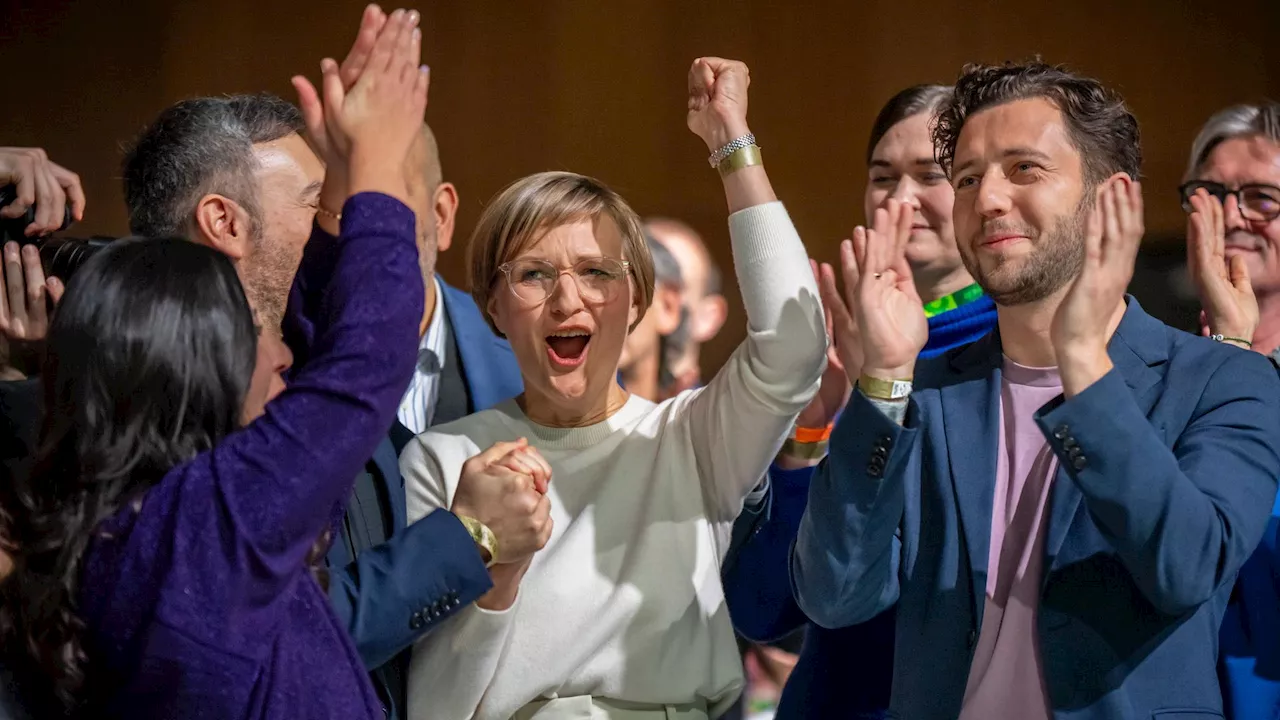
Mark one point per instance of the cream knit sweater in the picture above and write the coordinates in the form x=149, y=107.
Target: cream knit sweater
x=625, y=600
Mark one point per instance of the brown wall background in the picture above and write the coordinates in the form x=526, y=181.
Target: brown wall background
x=598, y=87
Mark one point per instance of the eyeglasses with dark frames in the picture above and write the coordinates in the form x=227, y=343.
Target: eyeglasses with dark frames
x=1257, y=202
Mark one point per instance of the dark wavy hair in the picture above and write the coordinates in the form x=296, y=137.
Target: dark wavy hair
x=1101, y=127
x=150, y=355
x=907, y=103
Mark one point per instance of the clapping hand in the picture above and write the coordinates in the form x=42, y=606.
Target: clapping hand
x=365, y=125
x=884, y=310
x=1229, y=306
x=1082, y=326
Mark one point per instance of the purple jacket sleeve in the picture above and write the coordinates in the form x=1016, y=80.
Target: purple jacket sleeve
x=268, y=491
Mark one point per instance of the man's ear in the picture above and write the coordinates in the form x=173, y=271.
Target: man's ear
x=666, y=309
x=224, y=225
x=445, y=205
x=708, y=316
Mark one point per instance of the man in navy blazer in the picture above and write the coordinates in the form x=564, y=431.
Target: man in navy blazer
x=1070, y=558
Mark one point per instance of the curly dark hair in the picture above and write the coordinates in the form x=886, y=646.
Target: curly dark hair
x=1101, y=127
x=150, y=358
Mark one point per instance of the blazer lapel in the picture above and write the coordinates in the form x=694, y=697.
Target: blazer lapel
x=1137, y=349
x=384, y=458
x=488, y=365
x=971, y=419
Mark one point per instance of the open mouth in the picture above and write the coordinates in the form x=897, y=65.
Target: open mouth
x=568, y=348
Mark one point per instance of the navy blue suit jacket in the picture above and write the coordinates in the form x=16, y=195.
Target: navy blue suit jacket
x=1168, y=473
x=841, y=674
x=392, y=594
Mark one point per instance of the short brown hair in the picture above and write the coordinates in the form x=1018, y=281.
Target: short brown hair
x=525, y=210
x=1099, y=124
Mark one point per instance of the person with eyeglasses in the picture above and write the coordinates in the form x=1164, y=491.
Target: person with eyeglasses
x=622, y=613
x=1232, y=195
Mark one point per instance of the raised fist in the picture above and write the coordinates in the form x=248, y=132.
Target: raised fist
x=718, y=100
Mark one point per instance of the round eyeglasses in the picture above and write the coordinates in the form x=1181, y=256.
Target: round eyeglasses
x=1257, y=202
x=598, y=279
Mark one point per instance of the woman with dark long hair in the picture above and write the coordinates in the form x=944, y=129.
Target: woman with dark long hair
x=165, y=534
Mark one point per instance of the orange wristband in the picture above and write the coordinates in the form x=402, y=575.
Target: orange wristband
x=809, y=436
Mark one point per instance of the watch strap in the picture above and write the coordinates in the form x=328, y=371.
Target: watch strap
x=884, y=389
x=483, y=537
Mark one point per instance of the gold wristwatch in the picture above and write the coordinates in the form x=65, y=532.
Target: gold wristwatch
x=483, y=537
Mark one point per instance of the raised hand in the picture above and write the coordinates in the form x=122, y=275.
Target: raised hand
x=1226, y=295
x=43, y=183
x=718, y=100
x=507, y=501
x=349, y=71
x=369, y=127
x=1082, y=326
x=885, y=305
x=842, y=349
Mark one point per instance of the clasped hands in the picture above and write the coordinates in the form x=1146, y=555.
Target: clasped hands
x=505, y=487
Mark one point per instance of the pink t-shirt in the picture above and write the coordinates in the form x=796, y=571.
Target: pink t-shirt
x=1007, y=675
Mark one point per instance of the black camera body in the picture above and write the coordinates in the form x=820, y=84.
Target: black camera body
x=60, y=256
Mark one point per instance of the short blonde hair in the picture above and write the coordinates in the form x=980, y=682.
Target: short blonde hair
x=523, y=213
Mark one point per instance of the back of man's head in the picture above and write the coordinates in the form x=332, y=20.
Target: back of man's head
x=197, y=147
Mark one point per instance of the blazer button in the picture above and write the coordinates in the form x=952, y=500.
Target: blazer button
x=1079, y=462
x=1070, y=443
x=415, y=622
x=1062, y=432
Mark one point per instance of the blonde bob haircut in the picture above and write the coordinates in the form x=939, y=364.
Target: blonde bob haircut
x=530, y=207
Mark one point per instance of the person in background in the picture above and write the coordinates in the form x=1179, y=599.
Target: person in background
x=847, y=672
x=656, y=342
x=622, y=611
x=25, y=297
x=1232, y=194
x=181, y=493
x=703, y=302
x=462, y=366
x=1046, y=506
x=52, y=190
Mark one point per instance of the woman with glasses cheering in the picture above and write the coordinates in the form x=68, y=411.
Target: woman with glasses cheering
x=621, y=614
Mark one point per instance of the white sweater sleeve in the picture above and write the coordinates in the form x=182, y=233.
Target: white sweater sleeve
x=452, y=666
x=739, y=420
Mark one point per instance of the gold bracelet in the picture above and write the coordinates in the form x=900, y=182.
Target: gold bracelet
x=320, y=210
x=878, y=389
x=805, y=451
x=741, y=158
